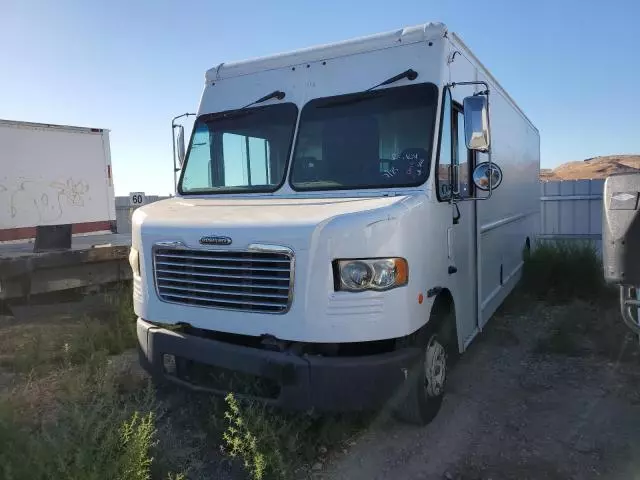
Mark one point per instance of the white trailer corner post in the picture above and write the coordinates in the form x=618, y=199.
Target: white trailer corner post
x=348, y=217
x=54, y=175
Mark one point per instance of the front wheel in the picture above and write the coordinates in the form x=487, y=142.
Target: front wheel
x=426, y=385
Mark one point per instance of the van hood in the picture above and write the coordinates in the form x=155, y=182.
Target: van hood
x=290, y=222
x=257, y=211
x=285, y=221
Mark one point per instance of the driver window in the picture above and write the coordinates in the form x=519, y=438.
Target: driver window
x=198, y=175
x=443, y=177
x=462, y=154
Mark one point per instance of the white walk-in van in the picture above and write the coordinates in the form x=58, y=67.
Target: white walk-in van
x=347, y=219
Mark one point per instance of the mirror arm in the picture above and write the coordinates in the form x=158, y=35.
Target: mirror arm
x=173, y=147
x=479, y=82
x=489, y=150
x=173, y=120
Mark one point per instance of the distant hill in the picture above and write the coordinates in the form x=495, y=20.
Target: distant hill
x=596, y=167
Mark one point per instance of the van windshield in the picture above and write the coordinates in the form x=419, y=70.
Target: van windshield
x=376, y=139
x=239, y=151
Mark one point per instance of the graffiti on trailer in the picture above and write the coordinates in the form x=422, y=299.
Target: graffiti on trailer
x=37, y=201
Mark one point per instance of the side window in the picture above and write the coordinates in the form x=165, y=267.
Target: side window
x=445, y=160
x=246, y=160
x=462, y=155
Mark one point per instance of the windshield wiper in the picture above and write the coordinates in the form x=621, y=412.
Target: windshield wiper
x=275, y=94
x=350, y=99
x=410, y=74
x=242, y=112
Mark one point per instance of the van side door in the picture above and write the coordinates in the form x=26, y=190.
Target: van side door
x=453, y=185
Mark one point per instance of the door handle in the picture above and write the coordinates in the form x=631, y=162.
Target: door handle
x=455, y=189
x=457, y=215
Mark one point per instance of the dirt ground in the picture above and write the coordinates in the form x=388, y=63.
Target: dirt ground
x=544, y=392
x=515, y=411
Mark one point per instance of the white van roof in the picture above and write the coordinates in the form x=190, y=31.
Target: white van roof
x=408, y=35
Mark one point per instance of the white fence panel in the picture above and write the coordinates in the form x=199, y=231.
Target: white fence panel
x=572, y=210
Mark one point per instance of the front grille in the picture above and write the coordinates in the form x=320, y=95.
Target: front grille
x=247, y=280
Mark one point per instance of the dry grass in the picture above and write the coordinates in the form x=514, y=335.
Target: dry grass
x=77, y=423
x=582, y=329
x=586, y=317
x=39, y=345
x=73, y=410
x=559, y=272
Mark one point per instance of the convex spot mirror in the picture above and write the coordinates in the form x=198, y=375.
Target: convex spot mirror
x=476, y=123
x=487, y=176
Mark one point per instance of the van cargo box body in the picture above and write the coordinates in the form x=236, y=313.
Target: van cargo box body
x=312, y=173
x=54, y=175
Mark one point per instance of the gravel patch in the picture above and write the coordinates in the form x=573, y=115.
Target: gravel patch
x=512, y=412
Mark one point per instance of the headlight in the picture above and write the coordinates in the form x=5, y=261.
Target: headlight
x=134, y=261
x=370, y=274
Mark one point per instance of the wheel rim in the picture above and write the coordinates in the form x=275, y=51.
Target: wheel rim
x=435, y=367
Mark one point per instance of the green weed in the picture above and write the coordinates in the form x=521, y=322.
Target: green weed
x=275, y=444
x=253, y=437
x=137, y=438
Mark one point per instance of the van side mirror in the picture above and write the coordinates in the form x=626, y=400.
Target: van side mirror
x=180, y=144
x=476, y=123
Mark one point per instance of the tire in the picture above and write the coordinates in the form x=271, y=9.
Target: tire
x=426, y=386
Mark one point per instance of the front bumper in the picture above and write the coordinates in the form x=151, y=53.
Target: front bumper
x=305, y=382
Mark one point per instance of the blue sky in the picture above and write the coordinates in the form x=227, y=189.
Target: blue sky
x=130, y=66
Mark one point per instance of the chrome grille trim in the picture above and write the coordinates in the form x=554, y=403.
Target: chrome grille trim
x=227, y=284
x=222, y=259
x=259, y=279
x=216, y=303
x=219, y=267
x=223, y=292
x=201, y=274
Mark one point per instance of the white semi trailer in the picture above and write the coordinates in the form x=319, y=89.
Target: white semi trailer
x=54, y=175
x=347, y=219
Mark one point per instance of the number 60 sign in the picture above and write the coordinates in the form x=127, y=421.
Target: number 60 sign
x=137, y=199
